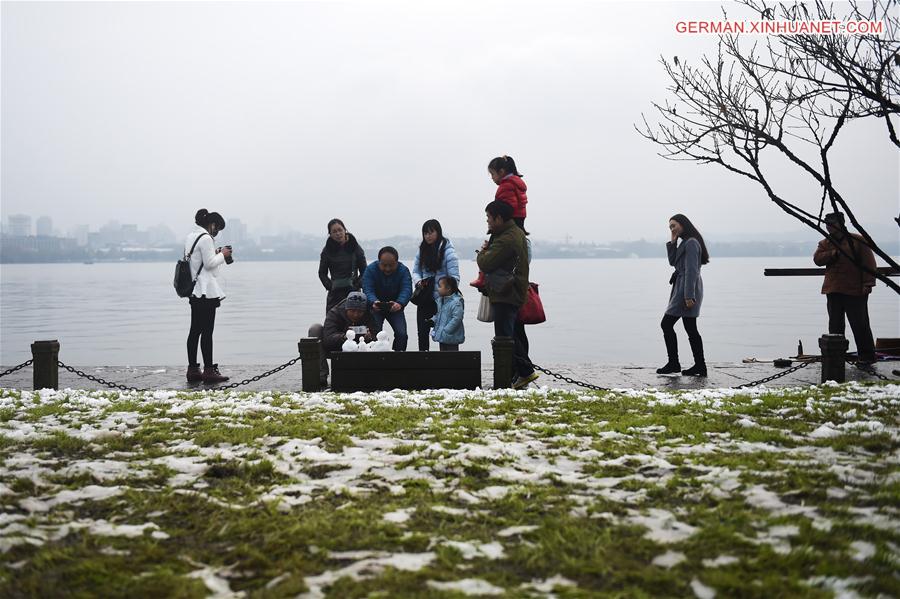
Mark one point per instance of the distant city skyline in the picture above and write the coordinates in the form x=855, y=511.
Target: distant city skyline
x=237, y=231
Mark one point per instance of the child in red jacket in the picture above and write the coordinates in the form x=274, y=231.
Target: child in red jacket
x=510, y=189
x=510, y=186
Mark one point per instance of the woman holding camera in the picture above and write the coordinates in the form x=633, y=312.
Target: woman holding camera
x=207, y=261
x=344, y=259
x=435, y=260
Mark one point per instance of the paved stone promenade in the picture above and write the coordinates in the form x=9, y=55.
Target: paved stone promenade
x=635, y=377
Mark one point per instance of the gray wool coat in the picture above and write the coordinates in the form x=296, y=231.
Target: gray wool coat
x=688, y=284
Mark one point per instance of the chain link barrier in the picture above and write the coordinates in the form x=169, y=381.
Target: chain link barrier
x=16, y=368
x=112, y=385
x=867, y=369
x=870, y=370
x=259, y=377
x=97, y=379
x=569, y=379
x=777, y=375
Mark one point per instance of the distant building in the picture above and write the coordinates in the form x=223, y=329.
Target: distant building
x=80, y=234
x=235, y=232
x=19, y=225
x=44, y=226
x=160, y=235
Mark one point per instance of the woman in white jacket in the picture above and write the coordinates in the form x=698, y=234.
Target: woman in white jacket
x=207, y=295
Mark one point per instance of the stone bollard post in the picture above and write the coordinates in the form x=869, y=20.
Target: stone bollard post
x=834, y=355
x=45, y=366
x=503, y=362
x=309, y=361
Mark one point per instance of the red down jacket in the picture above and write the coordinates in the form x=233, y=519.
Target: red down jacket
x=512, y=191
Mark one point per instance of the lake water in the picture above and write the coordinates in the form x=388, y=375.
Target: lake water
x=599, y=311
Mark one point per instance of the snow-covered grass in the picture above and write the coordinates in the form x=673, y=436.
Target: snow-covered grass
x=765, y=492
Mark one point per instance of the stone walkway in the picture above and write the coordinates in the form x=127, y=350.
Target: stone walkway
x=634, y=377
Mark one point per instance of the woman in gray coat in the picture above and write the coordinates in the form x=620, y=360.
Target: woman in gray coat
x=686, y=296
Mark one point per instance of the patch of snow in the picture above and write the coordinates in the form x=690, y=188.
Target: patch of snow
x=701, y=591
x=722, y=560
x=467, y=586
x=668, y=559
x=517, y=530
x=862, y=550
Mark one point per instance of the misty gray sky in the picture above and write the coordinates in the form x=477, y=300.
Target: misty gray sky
x=384, y=114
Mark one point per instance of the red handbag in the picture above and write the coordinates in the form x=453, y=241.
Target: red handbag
x=532, y=311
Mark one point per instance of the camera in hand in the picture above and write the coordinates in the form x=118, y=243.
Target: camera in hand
x=383, y=307
x=229, y=259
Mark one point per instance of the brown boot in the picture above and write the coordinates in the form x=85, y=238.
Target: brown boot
x=211, y=375
x=194, y=375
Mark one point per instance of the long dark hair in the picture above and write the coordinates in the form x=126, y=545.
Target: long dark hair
x=431, y=255
x=688, y=230
x=204, y=218
x=504, y=163
x=332, y=247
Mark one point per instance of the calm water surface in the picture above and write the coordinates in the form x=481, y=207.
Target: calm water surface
x=603, y=311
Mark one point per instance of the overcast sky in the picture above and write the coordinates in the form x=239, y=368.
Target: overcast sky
x=384, y=114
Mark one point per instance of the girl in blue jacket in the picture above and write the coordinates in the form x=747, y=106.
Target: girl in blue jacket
x=449, y=330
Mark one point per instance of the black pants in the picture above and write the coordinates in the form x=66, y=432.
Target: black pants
x=336, y=296
x=449, y=346
x=505, y=325
x=203, y=321
x=690, y=325
x=423, y=313
x=856, y=309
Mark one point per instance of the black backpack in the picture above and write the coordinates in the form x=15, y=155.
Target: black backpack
x=184, y=282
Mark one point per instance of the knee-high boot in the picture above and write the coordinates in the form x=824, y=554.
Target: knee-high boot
x=672, y=366
x=699, y=367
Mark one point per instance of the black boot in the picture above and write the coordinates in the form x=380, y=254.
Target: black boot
x=672, y=366
x=669, y=368
x=699, y=367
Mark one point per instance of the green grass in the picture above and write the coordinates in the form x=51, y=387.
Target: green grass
x=264, y=489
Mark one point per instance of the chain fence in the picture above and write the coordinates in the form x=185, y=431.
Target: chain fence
x=777, y=375
x=97, y=379
x=761, y=381
x=259, y=377
x=112, y=385
x=16, y=368
x=583, y=384
x=870, y=371
x=569, y=380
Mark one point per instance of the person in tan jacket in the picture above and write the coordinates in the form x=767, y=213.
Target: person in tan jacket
x=847, y=286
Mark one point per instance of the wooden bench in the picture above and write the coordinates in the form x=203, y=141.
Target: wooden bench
x=383, y=371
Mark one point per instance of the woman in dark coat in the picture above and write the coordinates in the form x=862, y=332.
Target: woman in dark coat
x=344, y=259
x=686, y=295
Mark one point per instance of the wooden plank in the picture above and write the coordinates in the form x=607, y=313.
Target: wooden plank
x=818, y=272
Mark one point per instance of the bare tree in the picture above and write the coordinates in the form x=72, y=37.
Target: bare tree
x=787, y=95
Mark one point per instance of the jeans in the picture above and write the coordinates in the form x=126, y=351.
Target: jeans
x=505, y=325
x=203, y=321
x=397, y=320
x=856, y=309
